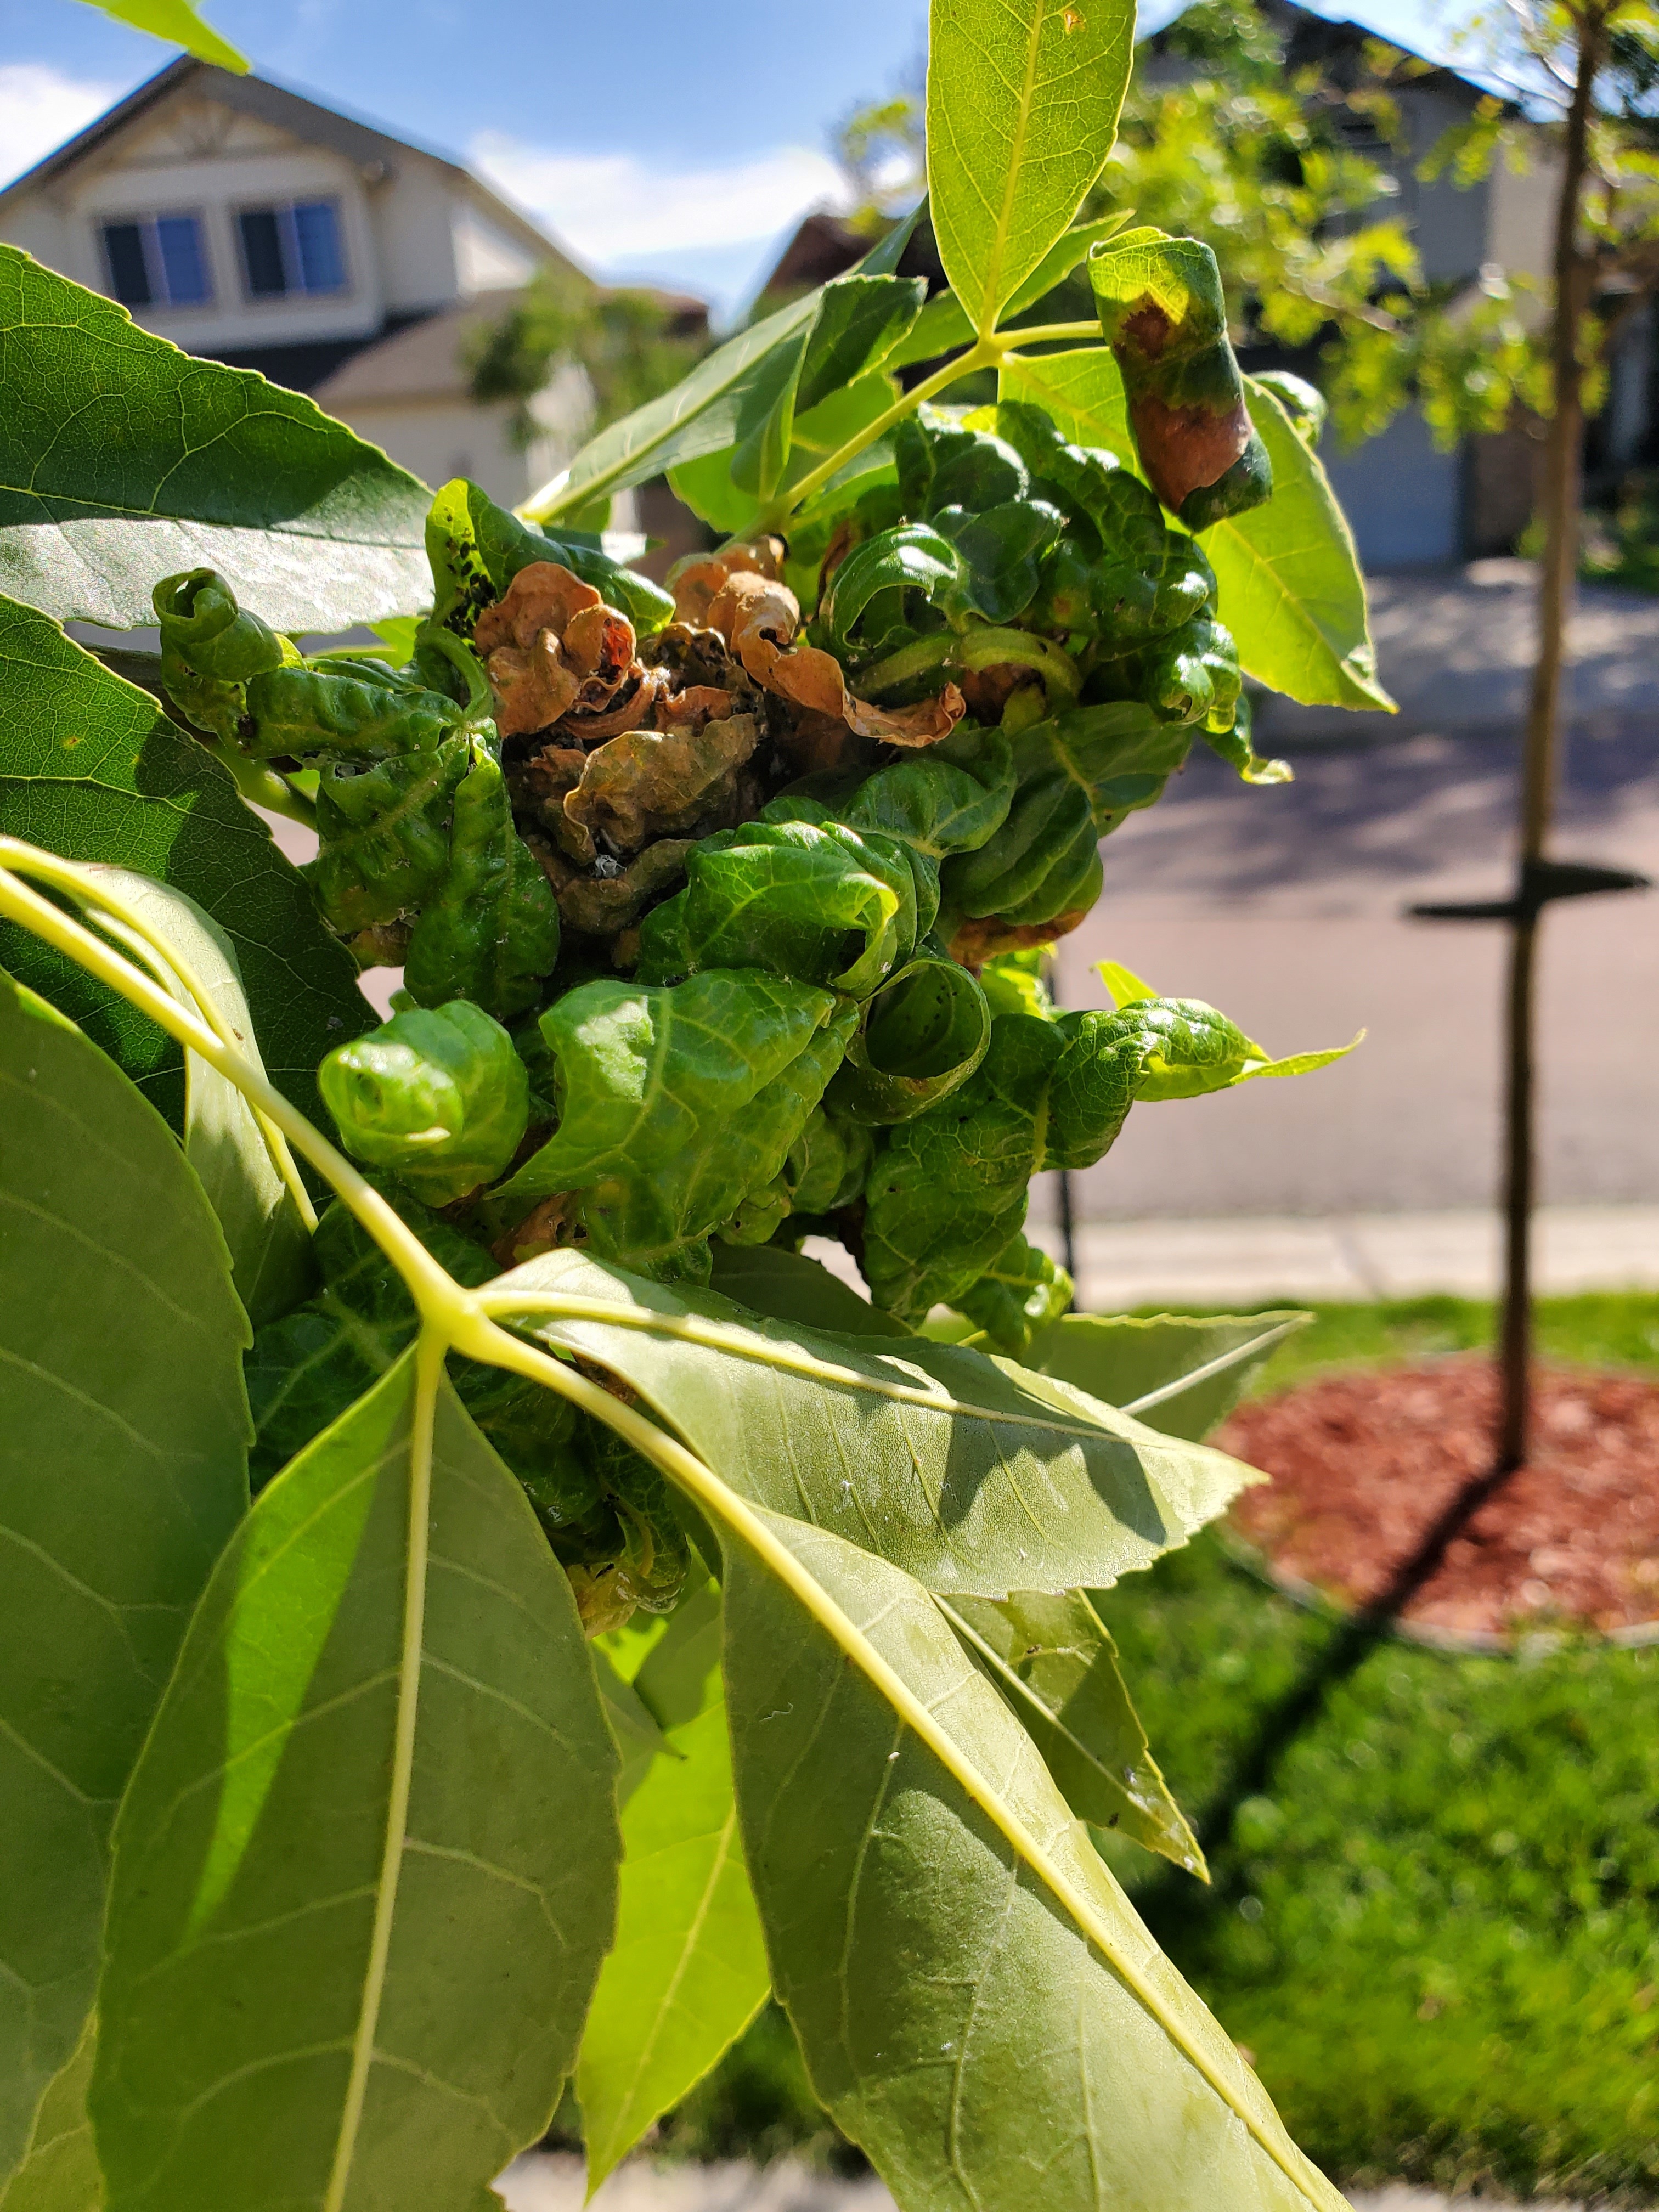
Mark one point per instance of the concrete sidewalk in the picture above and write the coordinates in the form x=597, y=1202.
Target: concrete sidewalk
x=546, y=2181
x=1252, y=1260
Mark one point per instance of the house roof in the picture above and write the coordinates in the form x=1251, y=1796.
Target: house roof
x=267, y=102
x=426, y=361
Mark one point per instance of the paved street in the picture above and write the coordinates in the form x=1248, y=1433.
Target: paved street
x=1283, y=905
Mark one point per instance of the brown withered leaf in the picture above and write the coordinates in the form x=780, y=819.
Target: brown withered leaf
x=653, y=783
x=540, y=785
x=976, y=942
x=697, y=704
x=532, y=685
x=600, y=906
x=697, y=580
x=758, y=616
x=636, y=708
x=552, y=1222
x=544, y=596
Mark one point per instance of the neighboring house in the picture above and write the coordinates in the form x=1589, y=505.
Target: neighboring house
x=254, y=226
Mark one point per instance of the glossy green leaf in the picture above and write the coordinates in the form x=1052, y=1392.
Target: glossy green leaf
x=676, y=1101
x=1021, y=1293
x=919, y=1037
x=491, y=931
x=123, y=1472
x=1291, y=588
x=269, y=1243
x=1177, y=1372
x=1022, y=99
x=439, y=1096
x=689, y=1970
x=177, y=22
x=970, y=1473
x=126, y=459
x=949, y=799
x=365, y=1872
x=92, y=769
x=977, y=2002
x=476, y=548
x=707, y=486
x=1054, y=1662
x=698, y=417
x=1078, y=776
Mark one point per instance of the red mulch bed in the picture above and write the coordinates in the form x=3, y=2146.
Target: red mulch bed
x=1363, y=1464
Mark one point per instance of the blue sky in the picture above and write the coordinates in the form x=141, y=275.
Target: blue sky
x=655, y=139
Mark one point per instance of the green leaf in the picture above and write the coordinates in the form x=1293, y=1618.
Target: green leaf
x=127, y=460
x=919, y=1037
x=676, y=1101
x=60, y=2170
x=269, y=1243
x=639, y=1738
x=707, y=486
x=700, y=414
x=943, y=324
x=1055, y=1662
x=1078, y=775
x=1291, y=588
x=787, y=1286
x=698, y=417
x=177, y=21
x=476, y=548
x=92, y=769
x=365, y=1870
x=490, y=931
x=123, y=1471
x=1023, y=100
x=977, y=2002
x=1021, y=1293
x=689, y=1970
x=970, y=1473
x=1177, y=1372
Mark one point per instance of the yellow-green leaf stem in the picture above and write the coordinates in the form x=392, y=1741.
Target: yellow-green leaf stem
x=123, y=920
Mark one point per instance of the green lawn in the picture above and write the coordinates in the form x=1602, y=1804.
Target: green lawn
x=1435, y=1918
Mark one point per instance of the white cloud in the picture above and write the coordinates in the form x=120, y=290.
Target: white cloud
x=40, y=107
x=609, y=208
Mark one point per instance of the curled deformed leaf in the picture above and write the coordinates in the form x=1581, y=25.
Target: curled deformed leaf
x=1022, y=1293
x=1166, y=318
x=602, y=906
x=552, y=645
x=674, y=1104
x=436, y=1094
x=306, y=713
x=383, y=834
x=758, y=616
x=817, y=902
x=1078, y=775
x=919, y=1038
x=475, y=548
x=647, y=784
x=490, y=931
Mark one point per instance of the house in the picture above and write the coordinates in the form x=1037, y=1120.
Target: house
x=254, y=226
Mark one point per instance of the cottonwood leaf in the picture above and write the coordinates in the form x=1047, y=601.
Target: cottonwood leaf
x=1053, y=1661
x=689, y=1969
x=787, y=1286
x=1180, y=1373
x=177, y=21
x=676, y=1101
x=1023, y=101
x=366, y=1869
x=123, y=459
x=943, y=324
x=971, y=1472
x=123, y=1471
x=91, y=768
x=977, y=2002
x=269, y=1243
x=1289, y=584
x=700, y=414
x=59, y=2172
x=639, y=1737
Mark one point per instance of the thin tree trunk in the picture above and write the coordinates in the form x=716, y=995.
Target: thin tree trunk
x=1562, y=500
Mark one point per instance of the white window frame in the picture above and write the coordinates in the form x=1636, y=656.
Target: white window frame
x=160, y=300
x=281, y=205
